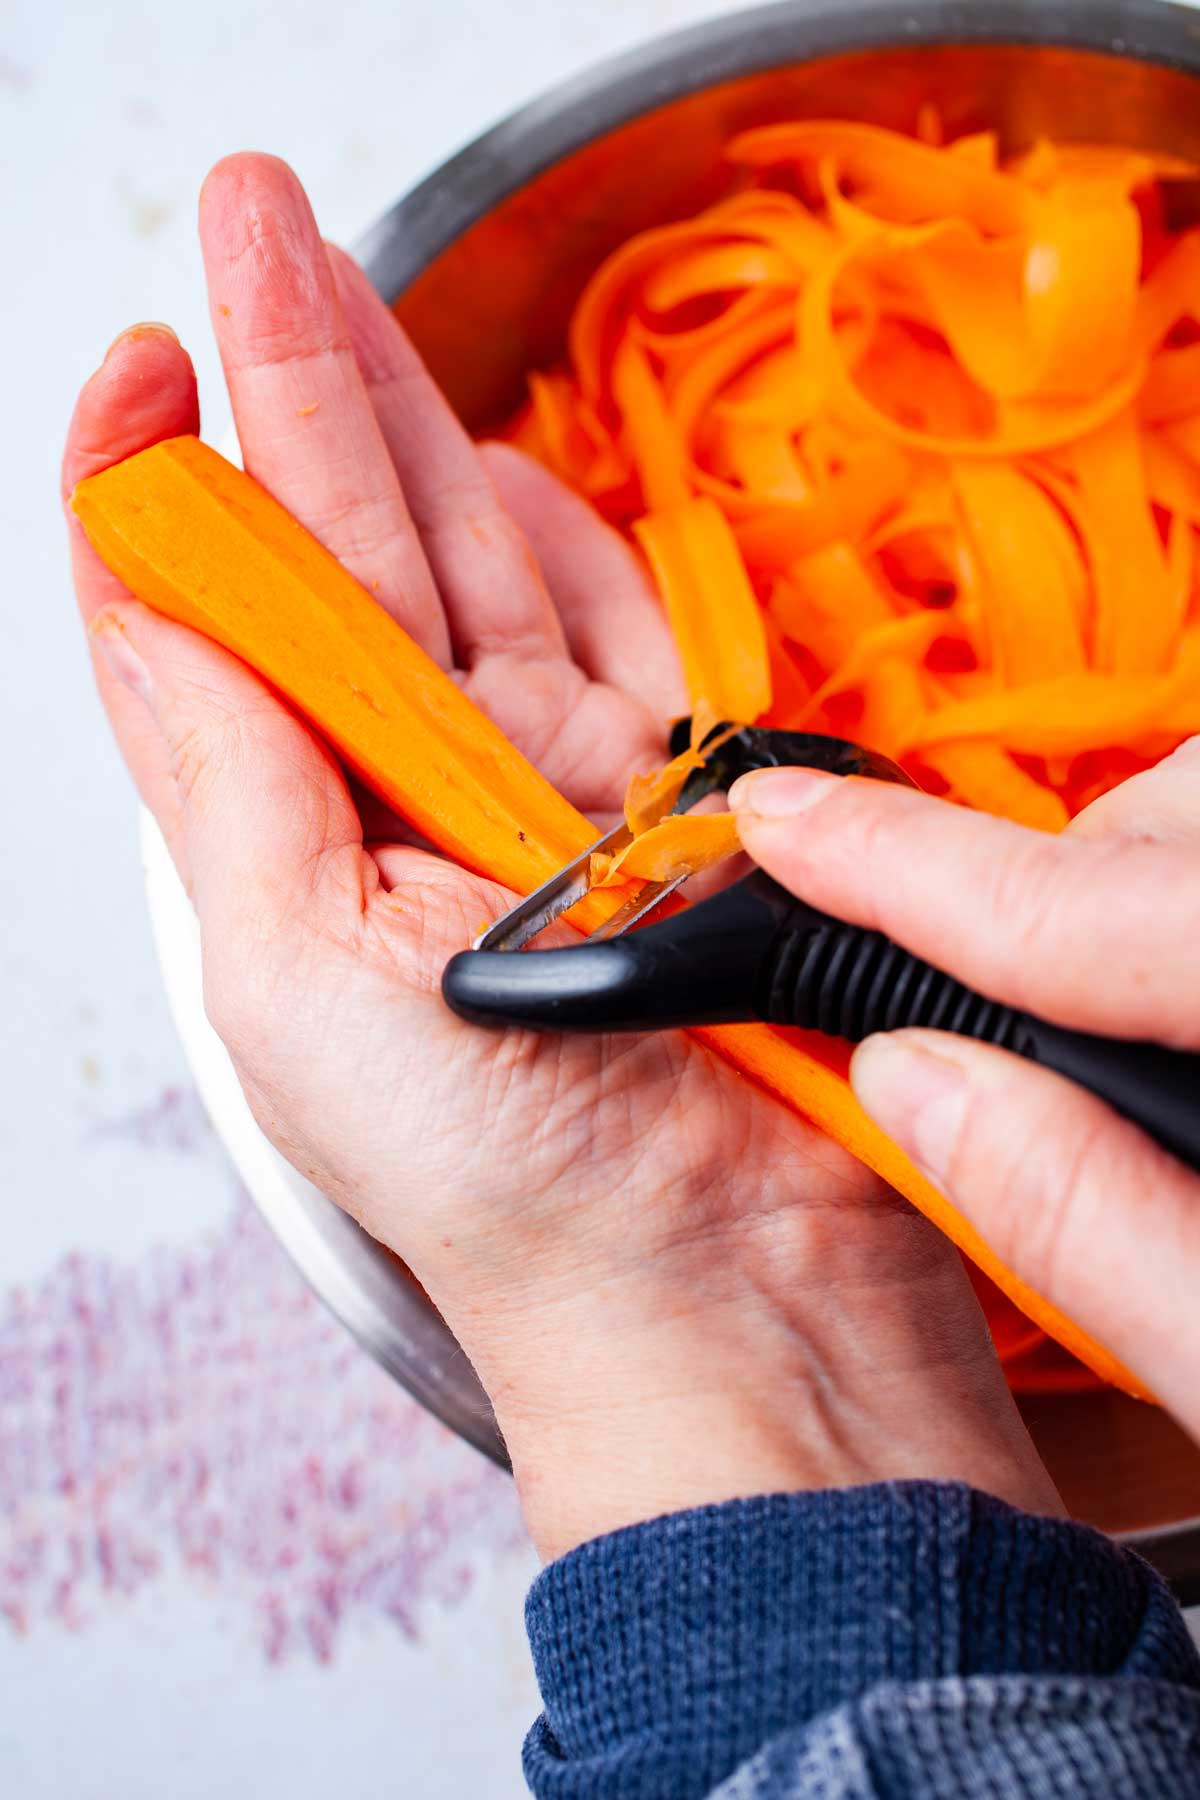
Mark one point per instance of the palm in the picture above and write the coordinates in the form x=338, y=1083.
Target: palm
x=459, y=1148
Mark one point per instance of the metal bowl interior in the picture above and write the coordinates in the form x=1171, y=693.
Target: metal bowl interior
x=491, y=301
x=483, y=263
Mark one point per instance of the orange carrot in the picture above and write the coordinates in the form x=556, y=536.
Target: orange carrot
x=681, y=844
x=200, y=540
x=947, y=408
x=654, y=442
x=712, y=608
x=1033, y=572
x=910, y=436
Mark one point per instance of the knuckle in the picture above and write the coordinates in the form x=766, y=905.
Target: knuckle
x=275, y=269
x=1023, y=888
x=857, y=834
x=1035, y=897
x=360, y=526
x=872, y=826
x=472, y=516
x=503, y=540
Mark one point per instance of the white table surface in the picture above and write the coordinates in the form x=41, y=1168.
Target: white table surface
x=233, y=1558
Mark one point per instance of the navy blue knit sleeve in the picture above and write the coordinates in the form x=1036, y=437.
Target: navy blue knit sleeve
x=902, y=1639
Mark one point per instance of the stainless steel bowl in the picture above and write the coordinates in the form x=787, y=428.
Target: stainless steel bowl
x=483, y=262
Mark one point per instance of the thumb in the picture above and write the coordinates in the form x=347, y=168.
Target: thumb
x=1080, y=1204
x=260, y=823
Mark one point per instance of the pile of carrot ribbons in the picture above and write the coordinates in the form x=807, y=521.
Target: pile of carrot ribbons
x=909, y=433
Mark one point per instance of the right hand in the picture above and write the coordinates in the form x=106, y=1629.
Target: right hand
x=674, y=1290
x=1097, y=929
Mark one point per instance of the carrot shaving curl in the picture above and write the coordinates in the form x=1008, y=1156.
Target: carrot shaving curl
x=908, y=431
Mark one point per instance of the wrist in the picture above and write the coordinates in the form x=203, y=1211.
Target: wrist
x=648, y=1440
x=623, y=1405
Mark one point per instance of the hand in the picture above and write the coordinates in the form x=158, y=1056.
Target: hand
x=1098, y=929
x=672, y=1288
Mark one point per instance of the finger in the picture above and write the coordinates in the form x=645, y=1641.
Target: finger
x=304, y=421
x=1082, y=1206
x=272, y=842
x=491, y=586
x=1163, y=802
x=144, y=391
x=1099, y=933
x=586, y=738
x=615, y=624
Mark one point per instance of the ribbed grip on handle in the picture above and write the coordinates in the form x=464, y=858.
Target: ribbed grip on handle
x=826, y=976
x=849, y=982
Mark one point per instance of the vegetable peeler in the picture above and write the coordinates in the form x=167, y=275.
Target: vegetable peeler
x=754, y=951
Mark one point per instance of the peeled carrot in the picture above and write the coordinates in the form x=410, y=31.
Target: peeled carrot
x=197, y=539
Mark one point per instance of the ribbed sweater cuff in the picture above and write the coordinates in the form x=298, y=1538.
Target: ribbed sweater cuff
x=667, y=1653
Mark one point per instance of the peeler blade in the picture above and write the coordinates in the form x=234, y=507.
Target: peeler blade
x=539, y=910
x=530, y=917
x=639, y=906
x=729, y=752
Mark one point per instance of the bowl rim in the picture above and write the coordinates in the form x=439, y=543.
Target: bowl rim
x=348, y=1270
x=667, y=68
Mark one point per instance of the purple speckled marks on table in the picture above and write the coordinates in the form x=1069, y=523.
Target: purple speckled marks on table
x=174, y=1121
x=14, y=76
x=199, y=1410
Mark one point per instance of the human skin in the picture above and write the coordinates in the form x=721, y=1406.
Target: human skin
x=674, y=1290
x=1097, y=929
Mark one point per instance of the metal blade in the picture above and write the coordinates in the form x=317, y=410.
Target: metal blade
x=531, y=916
x=636, y=908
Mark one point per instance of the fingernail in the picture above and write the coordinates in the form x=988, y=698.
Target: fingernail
x=918, y=1095
x=112, y=641
x=136, y=331
x=780, y=793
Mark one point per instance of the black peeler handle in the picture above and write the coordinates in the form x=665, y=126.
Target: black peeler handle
x=754, y=951
x=822, y=974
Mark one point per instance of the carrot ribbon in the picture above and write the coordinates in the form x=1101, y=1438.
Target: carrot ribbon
x=909, y=432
